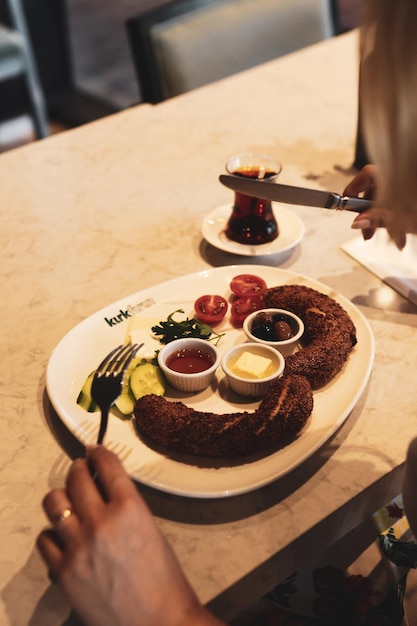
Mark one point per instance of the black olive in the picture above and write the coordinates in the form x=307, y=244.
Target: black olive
x=262, y=325
x=262, y=319
x=282, y=331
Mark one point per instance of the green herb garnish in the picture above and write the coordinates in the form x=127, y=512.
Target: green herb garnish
x=170, y=329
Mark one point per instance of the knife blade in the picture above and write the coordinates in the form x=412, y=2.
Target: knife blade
x=288, y=194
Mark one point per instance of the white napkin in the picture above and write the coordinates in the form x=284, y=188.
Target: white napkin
x=397, y=268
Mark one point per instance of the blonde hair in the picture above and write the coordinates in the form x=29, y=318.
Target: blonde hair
x=389, y=98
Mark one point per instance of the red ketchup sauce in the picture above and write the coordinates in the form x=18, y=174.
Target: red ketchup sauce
x=189, y=361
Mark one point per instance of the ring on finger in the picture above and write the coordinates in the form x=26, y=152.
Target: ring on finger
x=62, y=515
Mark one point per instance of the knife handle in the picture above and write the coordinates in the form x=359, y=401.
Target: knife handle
x=351, y=204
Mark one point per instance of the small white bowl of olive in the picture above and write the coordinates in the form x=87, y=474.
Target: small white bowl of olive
x=277, y=328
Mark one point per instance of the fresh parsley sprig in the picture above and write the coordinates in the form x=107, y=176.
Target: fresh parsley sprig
x=171, y=329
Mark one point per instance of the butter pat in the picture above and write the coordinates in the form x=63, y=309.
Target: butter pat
x=139, y=331
x=252, y=366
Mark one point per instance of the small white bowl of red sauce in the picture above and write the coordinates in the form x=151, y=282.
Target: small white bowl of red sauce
x=189, y=364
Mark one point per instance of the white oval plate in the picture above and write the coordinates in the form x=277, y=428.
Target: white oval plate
x=80, y=351
x=291, y=231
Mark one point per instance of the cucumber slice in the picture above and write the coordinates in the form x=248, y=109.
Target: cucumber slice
x=147, y=378
x=140, y=379
x=126, y=401
x=84, y=397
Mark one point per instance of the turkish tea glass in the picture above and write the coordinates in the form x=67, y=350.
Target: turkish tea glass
x=252, y=220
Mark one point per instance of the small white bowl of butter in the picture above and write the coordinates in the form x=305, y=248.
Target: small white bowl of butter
x=250, y=368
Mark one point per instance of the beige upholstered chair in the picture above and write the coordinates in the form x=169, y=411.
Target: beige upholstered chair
x=189, y=43
x=16, y=59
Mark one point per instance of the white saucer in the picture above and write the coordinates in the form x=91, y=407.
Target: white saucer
x=291, y=231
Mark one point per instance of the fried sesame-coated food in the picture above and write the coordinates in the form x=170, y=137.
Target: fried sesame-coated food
x=329, y=338
x=282, y=413
x=329, y=333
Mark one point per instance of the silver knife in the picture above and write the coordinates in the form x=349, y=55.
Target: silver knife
x=293, y=195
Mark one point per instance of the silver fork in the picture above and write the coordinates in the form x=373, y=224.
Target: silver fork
x=107, y=381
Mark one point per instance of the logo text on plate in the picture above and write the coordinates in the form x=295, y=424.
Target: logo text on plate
x=132, y=309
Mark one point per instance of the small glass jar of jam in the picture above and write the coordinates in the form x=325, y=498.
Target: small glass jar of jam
x=252, y=220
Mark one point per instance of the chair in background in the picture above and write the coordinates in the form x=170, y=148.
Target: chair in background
x=16, y=59
x=189, y=43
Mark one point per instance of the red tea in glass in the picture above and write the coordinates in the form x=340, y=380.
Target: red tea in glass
x=252, y=220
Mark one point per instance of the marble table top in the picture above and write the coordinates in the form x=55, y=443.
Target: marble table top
x=100, y=212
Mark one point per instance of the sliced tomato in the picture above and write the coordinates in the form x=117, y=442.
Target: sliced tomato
x=247, y=285
x=210, y=309
x=242, y=307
